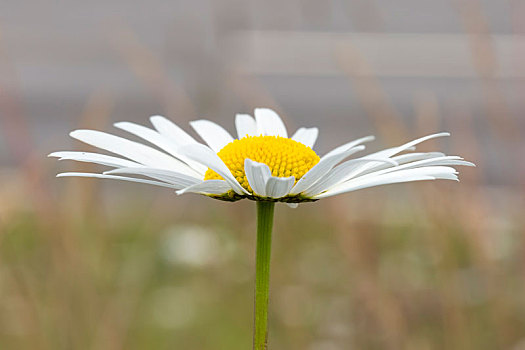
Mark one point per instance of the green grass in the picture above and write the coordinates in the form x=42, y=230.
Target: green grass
x=378, y=269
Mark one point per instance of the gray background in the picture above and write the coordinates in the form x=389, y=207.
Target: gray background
x=352, y=68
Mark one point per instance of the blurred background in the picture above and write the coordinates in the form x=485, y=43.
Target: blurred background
x=95, y=264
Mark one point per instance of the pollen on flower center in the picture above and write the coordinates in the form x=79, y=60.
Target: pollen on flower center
x=285, y=157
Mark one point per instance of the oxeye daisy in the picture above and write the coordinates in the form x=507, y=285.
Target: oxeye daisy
x=262, y=164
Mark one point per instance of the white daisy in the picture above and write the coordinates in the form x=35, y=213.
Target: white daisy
x=262, y=164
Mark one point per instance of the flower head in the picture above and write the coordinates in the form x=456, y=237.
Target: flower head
x=263, y=164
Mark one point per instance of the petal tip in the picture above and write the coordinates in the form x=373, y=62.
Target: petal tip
x=157, y=118
x=120, y=124
x=262, y=109
x=74, y=133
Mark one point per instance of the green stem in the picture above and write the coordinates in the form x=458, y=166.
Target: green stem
x=262, y=273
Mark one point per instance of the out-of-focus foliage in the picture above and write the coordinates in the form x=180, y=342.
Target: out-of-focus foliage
x=421, y=266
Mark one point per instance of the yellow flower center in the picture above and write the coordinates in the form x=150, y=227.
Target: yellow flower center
x=285, y=157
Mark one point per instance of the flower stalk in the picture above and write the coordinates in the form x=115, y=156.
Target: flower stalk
x=265, y=212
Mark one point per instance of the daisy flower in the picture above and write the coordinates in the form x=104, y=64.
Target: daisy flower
x=263, y=164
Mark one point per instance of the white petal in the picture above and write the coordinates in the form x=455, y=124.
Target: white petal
x=349, y=145
x=214, y=135
x=435, y=171
x=449, y=160
x=123, y=178
x=395, y=150
x=257, y=175
x=172, y=177
x=323, y=167
x=402, y=159
x=366, y=171
x=208, y=187
x=94, y=158
x=446, y=160
x=373, y=183
x=292, y=205
x=412, y=157
x=341, y=173
x=306, y=136
x=245, y=125
x=206, y=156
x=131, y=150
x=269, y=123
x=149, y=135
x=171, y=131
x=160, y=141
x=278, y=187
x=425, y=173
